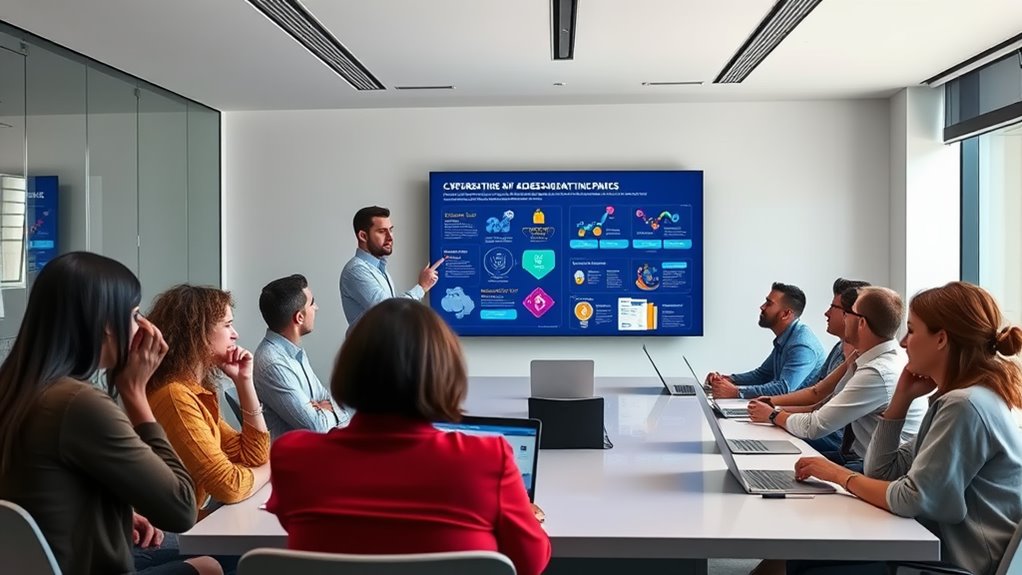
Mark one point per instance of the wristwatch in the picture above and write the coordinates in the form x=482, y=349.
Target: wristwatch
x=773, y=415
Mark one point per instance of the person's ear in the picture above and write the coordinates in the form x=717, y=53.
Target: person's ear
x=362, y=236
x=942, y=340
x=298, y=317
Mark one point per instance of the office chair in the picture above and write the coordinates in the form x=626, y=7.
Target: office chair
x=274, y=561
x=23, y=549
x=1010, y=563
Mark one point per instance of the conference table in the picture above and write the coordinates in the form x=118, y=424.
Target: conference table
x=662, y=495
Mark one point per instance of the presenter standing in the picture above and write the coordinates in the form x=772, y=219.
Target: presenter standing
x=364, y=279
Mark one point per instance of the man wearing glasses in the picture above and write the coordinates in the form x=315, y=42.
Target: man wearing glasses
x=811, y=398
x=865, y=389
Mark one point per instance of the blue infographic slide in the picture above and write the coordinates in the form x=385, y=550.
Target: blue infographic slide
x=42, y=221
x=568, y=253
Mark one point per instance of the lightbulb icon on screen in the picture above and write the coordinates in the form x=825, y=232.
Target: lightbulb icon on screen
x=580, y=277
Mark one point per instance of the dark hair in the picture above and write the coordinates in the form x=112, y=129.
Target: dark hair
x=363, y=220
x=75, y=299
x=186, y=315
x=848, y=298
x=281, y=299
x=402, y=359
x=841, y=285
x=794, y=297
x=976, y=334
x=882, y=309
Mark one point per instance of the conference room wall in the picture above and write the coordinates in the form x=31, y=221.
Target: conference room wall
x=794, y=191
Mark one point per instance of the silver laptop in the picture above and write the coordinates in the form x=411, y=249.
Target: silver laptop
x=725, y=412
x=747, y=446
x=757, y=480
x=562, y=378
x=676, y=389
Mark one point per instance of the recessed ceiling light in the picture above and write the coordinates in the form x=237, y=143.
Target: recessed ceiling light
x=423, y=87
x=679, y=83
x=559, y=84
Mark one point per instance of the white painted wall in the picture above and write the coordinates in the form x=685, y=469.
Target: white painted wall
x=794, y=191
x=925, y=194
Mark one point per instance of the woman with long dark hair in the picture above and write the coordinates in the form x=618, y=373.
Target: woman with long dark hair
x=89, y=473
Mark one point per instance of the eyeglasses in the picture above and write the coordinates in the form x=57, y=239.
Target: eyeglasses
x=837, y=307
x=868, y=323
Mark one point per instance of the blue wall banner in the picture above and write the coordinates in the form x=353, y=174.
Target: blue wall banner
x=42, y=221
x=568, y=253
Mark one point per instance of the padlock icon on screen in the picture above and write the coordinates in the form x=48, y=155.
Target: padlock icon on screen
x=538, y=217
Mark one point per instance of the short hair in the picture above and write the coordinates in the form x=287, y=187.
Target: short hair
x=883, y=310
x=281, y=299
x=848, y=298
x=793, y=297
x=363, y=220
x=186, y=315
x=401, y=359
x=841, y=285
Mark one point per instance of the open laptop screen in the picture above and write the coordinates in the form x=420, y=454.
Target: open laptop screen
x=521, y=434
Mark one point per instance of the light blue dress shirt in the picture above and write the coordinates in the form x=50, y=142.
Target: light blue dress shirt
x=365, y=283
x=287, y=387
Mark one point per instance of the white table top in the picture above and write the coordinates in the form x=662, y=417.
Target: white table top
x=662, y=492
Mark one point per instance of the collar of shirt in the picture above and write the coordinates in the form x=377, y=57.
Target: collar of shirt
x=284, y=344
x=388, y=422
x=378, y=263
x=875, y=352
x=782, y=340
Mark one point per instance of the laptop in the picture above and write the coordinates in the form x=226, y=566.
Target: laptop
x=725, y=412
x=758, y=481
x=562, y=378
x=677, y=389
x=522, y=434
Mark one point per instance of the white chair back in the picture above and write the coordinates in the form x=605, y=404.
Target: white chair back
x=275, y=561
x=23, y=549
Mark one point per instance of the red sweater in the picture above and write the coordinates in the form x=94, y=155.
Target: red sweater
x=388, y=484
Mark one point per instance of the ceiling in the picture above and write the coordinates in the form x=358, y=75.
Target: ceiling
x=226, y=54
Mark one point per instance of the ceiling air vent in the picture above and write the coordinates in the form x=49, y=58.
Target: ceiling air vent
x=297, y=21
x=782, y=19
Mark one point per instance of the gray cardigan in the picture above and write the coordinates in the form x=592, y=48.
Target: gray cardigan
x=960, y=477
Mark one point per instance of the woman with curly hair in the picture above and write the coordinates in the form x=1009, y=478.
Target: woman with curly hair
x=198, y=324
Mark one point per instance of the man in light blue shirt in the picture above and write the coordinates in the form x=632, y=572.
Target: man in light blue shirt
x=797, y=356
x=292, y=395
x=365, y=281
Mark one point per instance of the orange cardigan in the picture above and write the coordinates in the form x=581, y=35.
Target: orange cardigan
x=216, y=456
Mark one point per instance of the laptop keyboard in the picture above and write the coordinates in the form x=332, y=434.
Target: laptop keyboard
x=735, y=413
x=685, y=389
x=748, y=445
x=770, y=479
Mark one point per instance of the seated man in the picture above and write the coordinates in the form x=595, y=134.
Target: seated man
x=812, y=397
x=292, y=395
x=796, y=359
x=863, y=393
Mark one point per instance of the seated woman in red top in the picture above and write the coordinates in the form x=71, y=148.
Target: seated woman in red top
x=390, y=483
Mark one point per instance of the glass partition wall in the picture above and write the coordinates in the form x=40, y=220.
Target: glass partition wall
x=105, y=162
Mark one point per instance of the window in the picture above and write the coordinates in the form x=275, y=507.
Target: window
x=12, y=231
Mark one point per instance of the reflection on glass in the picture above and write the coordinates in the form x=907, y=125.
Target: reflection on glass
x=1000, y=212
x=12, y=231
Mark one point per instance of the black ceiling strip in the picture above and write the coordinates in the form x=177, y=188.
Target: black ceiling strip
x=984, y=54
x=983, y=123
x=564, y=16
